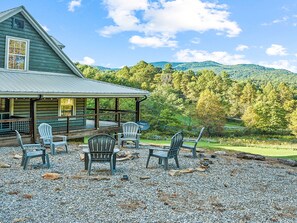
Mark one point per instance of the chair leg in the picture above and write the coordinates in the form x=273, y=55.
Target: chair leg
x=194, y=152
x=114, y=157
x=26, y=162
x=166, y=164
x=66, y=147
x=111, y=167
x=53, y=151
x=43, y=157
x=23, y=160
x=176, y=161
x=47, y=161
x=89, y=166
x=137, y=144
x=148, y=160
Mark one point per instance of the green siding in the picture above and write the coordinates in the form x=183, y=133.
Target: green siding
x=49, y=107
x=41, y=55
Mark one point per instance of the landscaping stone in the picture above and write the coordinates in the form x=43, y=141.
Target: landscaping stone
x=51, y=176
x=4, y=165
x=250, y=156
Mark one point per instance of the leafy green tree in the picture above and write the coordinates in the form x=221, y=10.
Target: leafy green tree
x=293, y=122
x=211, y=112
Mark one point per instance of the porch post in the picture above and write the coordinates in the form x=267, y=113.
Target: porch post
x=33, y=117
x=116, y=109
x=97, y=107
x=137, y=108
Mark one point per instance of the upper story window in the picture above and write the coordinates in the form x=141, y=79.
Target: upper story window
x=17, y=53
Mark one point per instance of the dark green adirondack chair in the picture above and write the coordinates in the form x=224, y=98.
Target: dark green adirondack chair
x=167, y=153
x=32, y=151
x=101, y=150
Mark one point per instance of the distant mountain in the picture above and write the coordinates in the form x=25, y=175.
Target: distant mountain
x=239, y=72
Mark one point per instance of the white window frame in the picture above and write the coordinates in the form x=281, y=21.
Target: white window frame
x=60, y=108
x=27, y=41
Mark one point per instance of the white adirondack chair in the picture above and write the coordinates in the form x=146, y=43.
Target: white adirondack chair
x=48, y=139
x=130, y=133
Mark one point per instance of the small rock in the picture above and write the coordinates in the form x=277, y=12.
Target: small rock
x=17, y=156
x=125, y=178
x=82, y=157
x=51, y=176
x=144, y=177
x=4, y=165
x=99, y=178
x=189, y=170
x=200, y=169
x=213, y=156
x=19, y=220
x=174, y=173
x=220, y=152
x=28, y=196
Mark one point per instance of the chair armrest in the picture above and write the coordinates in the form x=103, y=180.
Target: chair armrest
x=189, y=140
x=158, y=149
x=33, y=147
x=166, y=147
x=60, y=136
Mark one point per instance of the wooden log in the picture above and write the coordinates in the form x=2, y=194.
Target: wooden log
x=250, y=156
x=292, y=163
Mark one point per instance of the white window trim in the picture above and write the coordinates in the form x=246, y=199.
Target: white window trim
x=60, y=109
x=7, y=52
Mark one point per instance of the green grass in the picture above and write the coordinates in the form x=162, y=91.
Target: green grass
x=265, y=148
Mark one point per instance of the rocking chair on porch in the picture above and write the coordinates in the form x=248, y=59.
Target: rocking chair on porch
x=47, y=138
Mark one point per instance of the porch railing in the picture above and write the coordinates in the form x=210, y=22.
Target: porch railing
x=21, y=124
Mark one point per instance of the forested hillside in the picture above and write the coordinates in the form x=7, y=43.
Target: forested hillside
x=253, y=72
x=188, y=100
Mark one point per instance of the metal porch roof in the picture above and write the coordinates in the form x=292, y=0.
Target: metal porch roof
x=36, y=84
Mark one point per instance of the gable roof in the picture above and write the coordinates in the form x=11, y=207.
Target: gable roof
x=52, y=43
x=36, y=84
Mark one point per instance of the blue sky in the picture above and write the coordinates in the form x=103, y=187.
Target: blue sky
x=114, y=33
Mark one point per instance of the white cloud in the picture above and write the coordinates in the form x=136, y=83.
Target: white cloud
x=195, y=41
x=154, y=41
x=87, y=60
x=241, y=47
x=276, y=21
x=164, y=18
x=280, y=64
x=46, y=29
x=188, y=55
x=74, y=4
x=276, y=50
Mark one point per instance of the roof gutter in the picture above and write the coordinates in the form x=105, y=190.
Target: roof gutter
x=145, y=97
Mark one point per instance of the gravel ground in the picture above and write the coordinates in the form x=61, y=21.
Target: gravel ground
x=231, y=190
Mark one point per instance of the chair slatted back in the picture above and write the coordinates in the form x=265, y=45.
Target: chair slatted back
x=130, y=129
x=176, y=143
x=200, y=135
x=101, y=147
x=19, y=139
x=45, y=131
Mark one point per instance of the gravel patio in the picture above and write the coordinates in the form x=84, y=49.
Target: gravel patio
x=230, y=190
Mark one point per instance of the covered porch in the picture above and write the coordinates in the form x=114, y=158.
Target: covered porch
x=63, y=101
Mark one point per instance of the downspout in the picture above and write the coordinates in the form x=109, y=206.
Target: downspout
x=33, y=115
x=137, y=119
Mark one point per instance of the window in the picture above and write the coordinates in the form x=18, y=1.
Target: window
x=17, y=53
x=67, y=107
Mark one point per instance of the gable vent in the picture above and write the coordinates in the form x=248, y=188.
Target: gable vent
x=18, y=24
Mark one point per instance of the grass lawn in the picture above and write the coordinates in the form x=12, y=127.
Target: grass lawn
x=288, y=151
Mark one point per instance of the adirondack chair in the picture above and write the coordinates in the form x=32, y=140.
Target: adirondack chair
x=101, y=150
x=32, y=151
x=167, y=152
x=47, y=138
x=192, y=147
x=130, y=133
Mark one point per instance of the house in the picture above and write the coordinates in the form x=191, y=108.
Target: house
x=39, y=83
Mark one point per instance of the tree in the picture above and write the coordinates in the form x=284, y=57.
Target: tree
x=211, y=112
x=293, y=122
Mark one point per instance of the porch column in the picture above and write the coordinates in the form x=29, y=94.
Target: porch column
x=116, y=109
x=97, y=107
x=137, y=108
x=33, y=116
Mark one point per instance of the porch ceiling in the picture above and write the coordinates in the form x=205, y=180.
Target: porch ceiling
x=35, y=84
